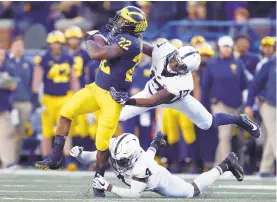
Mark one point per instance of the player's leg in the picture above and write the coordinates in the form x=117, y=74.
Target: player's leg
x=173, y=186
x=81, y=103
x=131, y=111
x=204, y=120
x=107, y=124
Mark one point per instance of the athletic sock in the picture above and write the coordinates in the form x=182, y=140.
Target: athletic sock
x=220, y=119
x=206, y=179
x=58, y=147
x=223, y=166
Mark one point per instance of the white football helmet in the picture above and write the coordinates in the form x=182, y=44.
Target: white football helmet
x=124, y=151
x=188, y=59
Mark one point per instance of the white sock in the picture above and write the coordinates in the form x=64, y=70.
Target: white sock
x=207, y=179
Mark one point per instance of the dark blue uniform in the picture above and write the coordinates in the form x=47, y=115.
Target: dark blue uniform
x=144, y=121
x=224, y=80
x=250, y=61
x=56, y=76
x=5, y=101
x=81, y=59
x=92, y=66
x=23, y=69
x=265, y=81
x=118, y=72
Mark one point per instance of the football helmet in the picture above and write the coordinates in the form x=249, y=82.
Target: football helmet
x=186, y=59
x=73, y=32
x=129, y=20
x=55, y=37
x=124, y=150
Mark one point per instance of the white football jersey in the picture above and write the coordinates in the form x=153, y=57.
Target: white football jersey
x=179, y=85
x=144, y=167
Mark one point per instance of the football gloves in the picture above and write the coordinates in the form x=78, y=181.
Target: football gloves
x=100, y=182
x=90, y=34
x=76, y=151
x=119, y=97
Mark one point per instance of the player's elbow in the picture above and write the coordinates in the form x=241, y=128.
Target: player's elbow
x=96, y=55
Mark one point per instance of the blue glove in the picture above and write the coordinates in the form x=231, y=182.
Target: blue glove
x=119, y=97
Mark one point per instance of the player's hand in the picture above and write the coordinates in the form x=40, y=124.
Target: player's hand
x=76, y=151
x=159, y=139
x=249, y=112
x=120, y=97
x=100, y=182
x=90, y=34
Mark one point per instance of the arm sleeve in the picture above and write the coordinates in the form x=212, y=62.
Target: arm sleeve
x=207, y=85
x=151, y=152
x=87, y=157
x=258, y=83
x=134, y=192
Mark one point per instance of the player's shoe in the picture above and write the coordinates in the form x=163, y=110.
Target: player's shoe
x=159, y=139
x=233, y=165
x=49, y=163
x=98, y=193
x=249, y=125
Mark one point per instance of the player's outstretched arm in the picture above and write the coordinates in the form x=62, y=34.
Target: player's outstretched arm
x=161, y=97
x=97, y=52
x=147, y=49
x=84, y=157
x=137, y=187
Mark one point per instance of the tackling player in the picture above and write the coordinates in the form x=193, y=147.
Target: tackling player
x=54, y=69
x=138, y=169
x=118, y=61
x=170, y=87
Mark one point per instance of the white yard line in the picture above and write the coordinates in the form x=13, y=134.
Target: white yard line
x=36, y=172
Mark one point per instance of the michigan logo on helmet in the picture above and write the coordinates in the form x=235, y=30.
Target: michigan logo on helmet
x=55, y=37
x=73, y=32
x=129, y=20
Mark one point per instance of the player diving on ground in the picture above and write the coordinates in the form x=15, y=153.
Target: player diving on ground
x=138, y=169
x=170, y=86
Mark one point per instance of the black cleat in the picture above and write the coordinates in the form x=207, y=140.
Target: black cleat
x=98, y=193
x=159, y=139
x=249, y=125
x=49, y=163
x=233, y=165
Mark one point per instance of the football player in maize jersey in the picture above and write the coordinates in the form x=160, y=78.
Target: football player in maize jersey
x=80, y=127
x=54, y=69
x=118, y=61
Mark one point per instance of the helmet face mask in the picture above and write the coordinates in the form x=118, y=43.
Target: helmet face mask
x=176, y=64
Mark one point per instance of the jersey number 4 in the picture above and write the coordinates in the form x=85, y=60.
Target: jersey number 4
x=148, y=172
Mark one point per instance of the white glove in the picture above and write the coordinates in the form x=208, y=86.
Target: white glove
x=93, y=32
x=76, y=151
x=100, y=182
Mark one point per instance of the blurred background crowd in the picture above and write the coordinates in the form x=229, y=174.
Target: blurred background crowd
x=237, y=44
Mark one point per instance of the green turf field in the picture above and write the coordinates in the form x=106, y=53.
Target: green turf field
x=36, y=185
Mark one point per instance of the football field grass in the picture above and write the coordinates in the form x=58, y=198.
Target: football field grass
x=36, y=185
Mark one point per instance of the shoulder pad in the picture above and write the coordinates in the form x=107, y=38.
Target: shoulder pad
x=162, y=50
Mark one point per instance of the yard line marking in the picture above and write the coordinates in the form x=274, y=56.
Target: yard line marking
x=109, y=174
x=250, y=187
x=122, y=199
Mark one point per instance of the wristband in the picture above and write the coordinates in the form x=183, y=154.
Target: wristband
x=87, y=37
x=110, y=187
x=131, y=101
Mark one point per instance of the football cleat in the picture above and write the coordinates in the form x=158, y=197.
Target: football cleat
x=233, y=165
x=49, y=163
x=249, y=125
x=159, y=139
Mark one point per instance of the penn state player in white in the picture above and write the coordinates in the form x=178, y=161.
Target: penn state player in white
x=138, y=169
x=170, y=86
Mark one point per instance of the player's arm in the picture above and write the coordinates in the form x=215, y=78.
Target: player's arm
x=138, y=185
x=84, y=157
x=161, y=97
x=147, y=49
x=97, y=52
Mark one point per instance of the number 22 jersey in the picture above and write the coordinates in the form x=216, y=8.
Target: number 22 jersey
x=118, y=72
